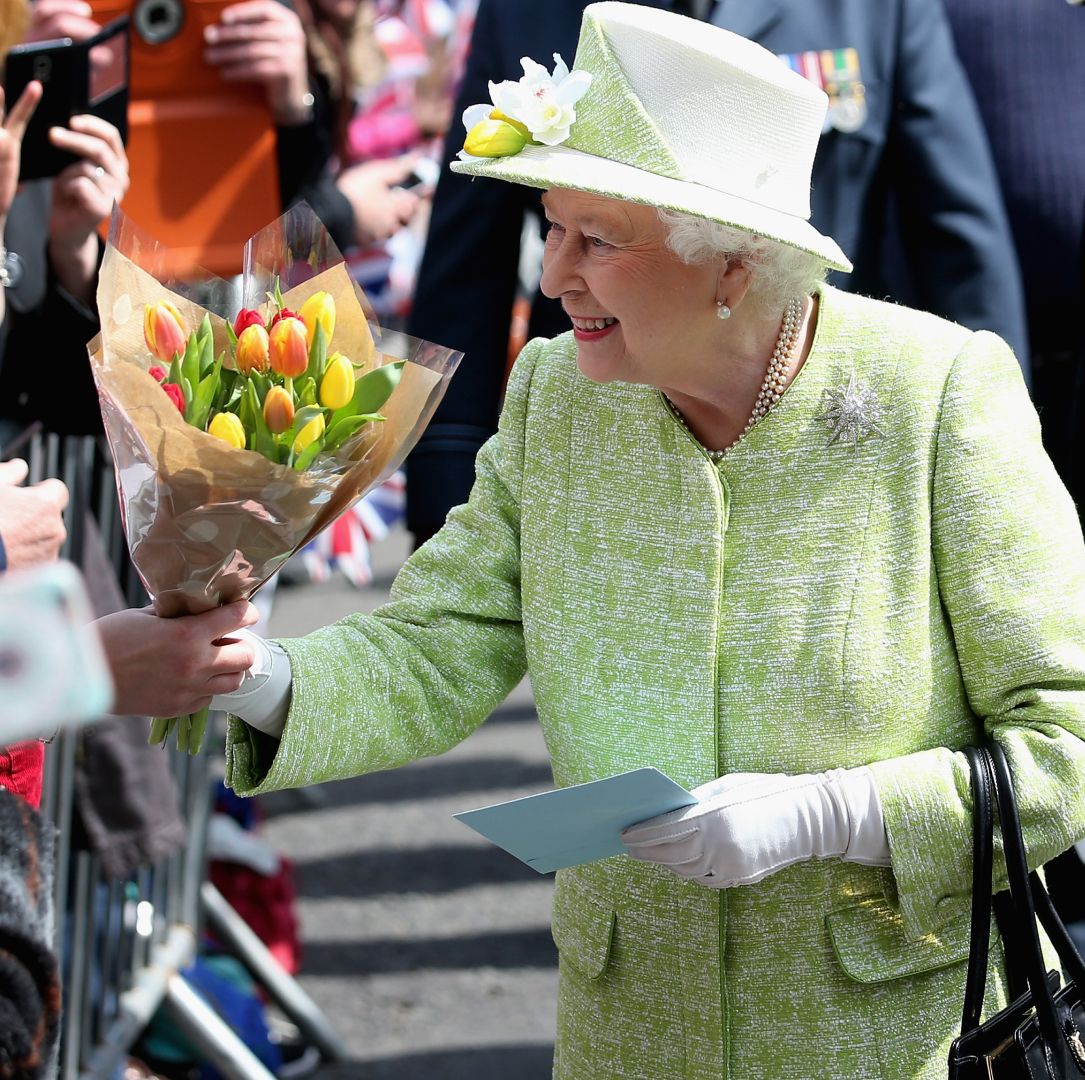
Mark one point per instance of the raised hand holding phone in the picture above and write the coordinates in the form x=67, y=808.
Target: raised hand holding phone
x=83, y=196
x=13, y=123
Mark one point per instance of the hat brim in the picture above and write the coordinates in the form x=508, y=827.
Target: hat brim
x=564, y=167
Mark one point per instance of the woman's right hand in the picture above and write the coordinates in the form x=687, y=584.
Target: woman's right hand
x=171, y=667
x=12, y=126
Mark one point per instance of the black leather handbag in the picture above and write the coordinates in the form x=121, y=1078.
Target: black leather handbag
x=1038, y=1036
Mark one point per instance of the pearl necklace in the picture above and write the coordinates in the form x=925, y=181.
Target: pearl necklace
x=772, y=386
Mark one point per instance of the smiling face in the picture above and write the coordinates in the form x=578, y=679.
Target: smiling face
x=637, y=310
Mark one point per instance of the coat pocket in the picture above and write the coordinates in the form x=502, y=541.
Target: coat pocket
x=869, y=941
x=582, y=924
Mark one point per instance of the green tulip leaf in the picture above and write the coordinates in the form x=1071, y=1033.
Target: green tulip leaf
x=261, y=383
x=339, y=432
x=264, y=442
x=371, y=391
x=301, y=418
x=205, y=396
x=305, y=389
x=305, y=458
x=318, y=354
x=190, y=362
x=206, y=338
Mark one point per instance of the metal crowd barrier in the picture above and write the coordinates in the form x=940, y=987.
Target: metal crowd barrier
x=123, y=944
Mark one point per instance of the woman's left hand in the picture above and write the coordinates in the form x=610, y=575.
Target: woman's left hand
x=83, y=195
x=746, y=826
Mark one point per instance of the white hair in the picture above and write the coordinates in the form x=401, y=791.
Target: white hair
x=777, y=271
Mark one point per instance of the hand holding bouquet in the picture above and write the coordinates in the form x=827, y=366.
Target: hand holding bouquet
x=237, y=440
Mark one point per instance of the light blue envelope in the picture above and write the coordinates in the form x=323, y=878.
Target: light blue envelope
x=577, y=824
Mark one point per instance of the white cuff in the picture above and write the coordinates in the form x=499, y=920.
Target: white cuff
x=263, y=699
x=867, y=840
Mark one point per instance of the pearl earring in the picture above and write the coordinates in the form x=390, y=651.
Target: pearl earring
x=722, y=310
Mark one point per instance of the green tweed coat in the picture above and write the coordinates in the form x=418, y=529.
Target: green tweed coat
x=796, y=607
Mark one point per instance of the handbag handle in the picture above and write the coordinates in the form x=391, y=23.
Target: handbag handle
x=980, y=935
x=1021, y=891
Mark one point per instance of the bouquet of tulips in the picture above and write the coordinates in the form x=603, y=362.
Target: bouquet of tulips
x=239, y=431
x=282, y=395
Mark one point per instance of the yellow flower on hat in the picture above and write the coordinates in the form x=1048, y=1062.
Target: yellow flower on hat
x=538, y=109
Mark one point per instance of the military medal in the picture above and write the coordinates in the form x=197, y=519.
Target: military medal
x=836, y=71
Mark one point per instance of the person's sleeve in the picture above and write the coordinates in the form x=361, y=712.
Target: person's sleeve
x=29, y=972
x=42, y=311
x=954, y=225
x=1010, y=567
x=422, y=672
x=463, y=299
x=304, y=153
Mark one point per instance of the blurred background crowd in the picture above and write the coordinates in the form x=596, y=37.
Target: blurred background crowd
x=952, y=172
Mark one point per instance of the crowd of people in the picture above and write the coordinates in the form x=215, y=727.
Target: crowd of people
x=791, y=512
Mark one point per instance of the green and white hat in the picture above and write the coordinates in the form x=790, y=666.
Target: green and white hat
x=664, y=110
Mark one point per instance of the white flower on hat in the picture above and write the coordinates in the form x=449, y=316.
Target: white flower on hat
x=539, y=108
x=541, y=101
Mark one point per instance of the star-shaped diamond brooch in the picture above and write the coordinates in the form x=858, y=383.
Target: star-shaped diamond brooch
x=852, y=412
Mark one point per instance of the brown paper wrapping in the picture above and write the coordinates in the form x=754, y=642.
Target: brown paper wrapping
x=206, y=523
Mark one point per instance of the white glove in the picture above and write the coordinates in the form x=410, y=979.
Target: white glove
x=263, y=698
x=745, y=826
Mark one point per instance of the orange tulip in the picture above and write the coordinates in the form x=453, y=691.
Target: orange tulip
x=163, y=330
x=278, y=410
x=319, y=308
x=252, y=349
x=289, y=347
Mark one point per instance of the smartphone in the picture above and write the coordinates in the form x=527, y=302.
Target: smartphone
x=424, y=174
x=53, y=671
x=77, y=77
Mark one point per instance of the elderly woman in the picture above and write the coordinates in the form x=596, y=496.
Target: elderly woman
x=791, y=546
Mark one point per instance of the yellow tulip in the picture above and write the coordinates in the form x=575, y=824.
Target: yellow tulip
x=497, y=114
x=289, y=347
x=337, y=386
x=252, y=350
x=310, y=433
x=278, y=410
x=494, y=138
x=163, y=330
x=319, y=308
x=228, y=428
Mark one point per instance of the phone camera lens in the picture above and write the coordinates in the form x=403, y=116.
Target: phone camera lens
x=158, y=21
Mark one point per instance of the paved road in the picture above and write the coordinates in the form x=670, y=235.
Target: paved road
x=427, y=948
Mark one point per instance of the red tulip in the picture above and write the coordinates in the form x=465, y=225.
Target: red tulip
x=247, y=317
x=159, y=374
x=283, y=313
x=176, y=395
x=289, y=347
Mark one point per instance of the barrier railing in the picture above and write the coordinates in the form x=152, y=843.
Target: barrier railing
x=123, y=944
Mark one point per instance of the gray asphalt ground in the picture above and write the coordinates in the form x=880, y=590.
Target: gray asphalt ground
x=427, y=948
